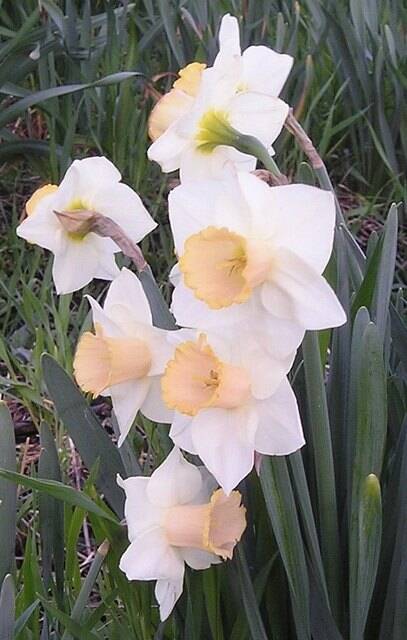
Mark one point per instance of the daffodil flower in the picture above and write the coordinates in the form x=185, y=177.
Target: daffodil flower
x=177, y=517
x=231, y=399
x=177, y=102
x=238, y=95
x=250, y=250
x=89, y=185
x=126, y=355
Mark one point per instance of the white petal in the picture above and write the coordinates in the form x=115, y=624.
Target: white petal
x=43, y=229
x=258, y=115
x=75, y=265
x=222, y=441
x=167, y=593
x=120, y=203
x=209, y=485
x=299, y=293
x=265, y=70
x=153, y=406
x=181, y=433
x=83, y=180
x=161, y=344
x=191, y=207
x=175, y=481
x=279, y=429
x=90, y=174
x=220, y=163
x=229, y=38
x=266, y=372
x=167, y=149
x=127, y=398
x=127, y=290
x=100, y=317
x=303, y=218
x=191, y=312
x=150, y=557
x=107, y=268
x=283, y=336
x=198, y=559
x=140, y=514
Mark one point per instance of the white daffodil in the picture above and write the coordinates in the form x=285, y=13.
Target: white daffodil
x=126, y=355
x=175, y=517
x=177, y=102
x=89, y=185
x=231, y=398
x=238, y=94
x=247, y=250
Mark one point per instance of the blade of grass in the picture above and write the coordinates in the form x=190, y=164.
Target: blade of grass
x=279, y=499
x=324, y=466
x=58, y=491
x=8, y=493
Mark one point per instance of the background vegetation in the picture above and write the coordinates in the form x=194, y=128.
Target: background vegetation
x=79, y=78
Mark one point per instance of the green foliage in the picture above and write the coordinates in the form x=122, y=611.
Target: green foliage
x=333, y=548
x=328, y=559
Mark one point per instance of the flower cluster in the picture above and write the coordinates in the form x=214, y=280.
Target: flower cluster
x=248, y=283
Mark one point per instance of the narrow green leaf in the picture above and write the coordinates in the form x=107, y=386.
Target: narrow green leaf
x=162, y=317
x=23, y=619
x=365, y=293
x=323, y=465
x=394, y=617
x=59, y=491
x=76, y=630
x=371, y=426
x=51, y=513
x=399, y=335
x=15, y=109
x=279, y=499
x=87, y=586
x=90, y=438
x=253, y=616
x=385, y=275
x=211, y=592
x=368, y=549
x=167, y=14
x=7, y=608
x=323, y=626
x=307, y=519
x=8, y=493
x=361, y=321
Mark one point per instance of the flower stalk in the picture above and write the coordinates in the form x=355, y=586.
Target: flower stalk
x=252, y=146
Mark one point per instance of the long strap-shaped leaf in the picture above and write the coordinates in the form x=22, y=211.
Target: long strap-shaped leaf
x=323, y=464
x=8, y=493
x=307, y=520
x=51, y=512
x=280, y=503
x=59, y=491
x=368, y=549
x=385, y=275
x=7, y=608
x=253, y=616
x=371, y=425
x=11, y=112
x=89, y=437
x=394, y=619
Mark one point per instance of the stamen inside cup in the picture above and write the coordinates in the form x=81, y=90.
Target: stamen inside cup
x=222, y=267
x=195, y=379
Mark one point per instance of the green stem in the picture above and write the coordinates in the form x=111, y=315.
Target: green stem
x=253, y=147
x=87, y=586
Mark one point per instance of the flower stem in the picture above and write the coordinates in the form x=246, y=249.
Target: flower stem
x=253, y=147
